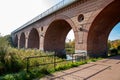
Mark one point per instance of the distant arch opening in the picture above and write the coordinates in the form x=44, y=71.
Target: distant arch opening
x=70, y=42
x=101, y=28
x=22, y=40
x=115, y=33
x=114, y=41
x=33, y=39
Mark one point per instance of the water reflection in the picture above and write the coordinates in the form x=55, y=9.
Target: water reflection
x=68, y=57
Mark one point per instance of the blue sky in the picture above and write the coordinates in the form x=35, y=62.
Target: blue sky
x=115, y=33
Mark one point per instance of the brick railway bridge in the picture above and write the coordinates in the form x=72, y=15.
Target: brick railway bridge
x=90, y=20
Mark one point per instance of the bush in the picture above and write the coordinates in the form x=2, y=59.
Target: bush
x=13, y=63
x=13, y=60
x=3, y=52
x=22, y=76
x=2, y=68
x=9, y=77
x=113, y=51
x=17, y=76
x=70, y=50
x=118, y=47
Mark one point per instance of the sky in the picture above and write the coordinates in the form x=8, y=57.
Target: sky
x=15, y=13
x=115, y=33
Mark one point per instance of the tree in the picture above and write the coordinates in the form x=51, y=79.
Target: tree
x=3, y=42
x=109, y=44
x=70, y=46
x=6, y=41
x=115, y=43
x=118, y=47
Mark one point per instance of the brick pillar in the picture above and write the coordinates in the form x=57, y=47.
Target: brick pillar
x=26, y=38
x=26, y=42
x=80, y=43
x=81, y=39
x=41, y=40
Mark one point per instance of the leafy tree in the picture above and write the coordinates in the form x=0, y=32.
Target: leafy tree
x=3, y=42
x=113, y=44
x=109, y=44
x=70, y=46
x=9, y=39
x=118, y=47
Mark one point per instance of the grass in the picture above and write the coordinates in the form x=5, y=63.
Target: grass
x=70, y=50
x=17, y=71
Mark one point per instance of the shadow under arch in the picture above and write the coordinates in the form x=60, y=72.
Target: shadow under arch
x=101, y=28
x=22, y=40
x=33, y=39
x=16, y=41
x=56, y=34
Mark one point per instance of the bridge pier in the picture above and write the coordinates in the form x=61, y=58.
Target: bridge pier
x=26, y=42
x=41, y=43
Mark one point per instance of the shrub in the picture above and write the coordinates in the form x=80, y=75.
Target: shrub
x=70, y=50
x=2, y=68
x=118, y=47
x=113, y=51
x=3, y=52
x=22, y=76
x=17, y=76
x=9, y=77
x=39, y=72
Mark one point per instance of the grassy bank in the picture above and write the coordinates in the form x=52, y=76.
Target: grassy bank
x=13, y=64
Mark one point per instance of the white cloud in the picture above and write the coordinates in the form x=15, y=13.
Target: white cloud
x=70, y=36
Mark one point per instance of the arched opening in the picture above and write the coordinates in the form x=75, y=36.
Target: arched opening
x=101, y=28
x=22, y=40
x=33, y=39
x=55, y=36
x=16, y=41
x=115, y=33
x=114, y=41
x=70, y=42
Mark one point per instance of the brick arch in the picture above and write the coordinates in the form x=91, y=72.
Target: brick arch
x=69, y=20
x=101, y=27
x=16, y=41
x=55, y=35
x=58, y=33
x=33, y=39
x=66, y=18
x=22, y=40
